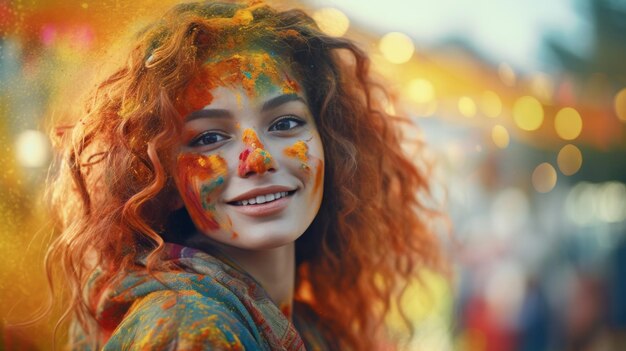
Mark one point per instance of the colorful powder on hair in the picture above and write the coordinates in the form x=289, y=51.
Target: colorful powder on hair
x=253, y=158
x=198, y=176
x=299, y=150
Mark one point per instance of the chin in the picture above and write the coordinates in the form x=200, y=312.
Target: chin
x=265, y=239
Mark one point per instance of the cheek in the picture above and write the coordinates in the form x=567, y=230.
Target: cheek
x=311, y=161
x=299, y=151
x=199, y=178
x=318, y=184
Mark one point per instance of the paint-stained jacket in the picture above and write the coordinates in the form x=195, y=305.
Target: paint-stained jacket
x=208, y=305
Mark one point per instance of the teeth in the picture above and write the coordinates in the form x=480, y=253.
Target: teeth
x=261, y=199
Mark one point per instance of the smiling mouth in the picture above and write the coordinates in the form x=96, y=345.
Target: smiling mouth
x=263, y=199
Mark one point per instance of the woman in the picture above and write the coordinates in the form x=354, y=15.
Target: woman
x=235, y=185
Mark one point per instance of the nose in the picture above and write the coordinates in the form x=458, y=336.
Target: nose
x=254, y=159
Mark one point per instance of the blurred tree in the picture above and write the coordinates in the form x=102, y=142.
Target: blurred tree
x=608, y=47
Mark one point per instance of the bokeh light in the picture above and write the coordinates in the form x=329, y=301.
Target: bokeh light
x=542, y=86
x=588, y=203
x=506, y=74
x=396, y=47
x=568, y=123
x=332, y=21
x=612, y=202
x=421, y=91
x=467, y=106
x=580, y=203
x=620, y=104
x=528, y=113
x=32, y=149
x=569, y=159
x=544, y=178
x=490, y=104
x=500, y=136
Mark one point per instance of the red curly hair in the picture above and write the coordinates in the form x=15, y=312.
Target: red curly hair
x=114, y=173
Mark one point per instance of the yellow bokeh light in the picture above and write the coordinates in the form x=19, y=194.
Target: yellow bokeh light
x=620, y=104
x=500, y=136
x=570, y=159
x=421, y=91
x=427, y=109
x=506, y=74
x=544, y=178
x=568, y=123
x=528, y=113
x=467, y=106
x=542, y=86
x=490, y=104
x=396, y=47
x=32, y=149
x=332, y=21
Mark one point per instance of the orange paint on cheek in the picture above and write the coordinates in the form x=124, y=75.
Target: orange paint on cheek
x=300, y=151
x=253, y=158
x=197, y=177
x=319, y=176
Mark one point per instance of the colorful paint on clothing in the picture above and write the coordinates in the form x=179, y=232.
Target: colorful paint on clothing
x=208, y=304
x=254, y=158
x=198, y=177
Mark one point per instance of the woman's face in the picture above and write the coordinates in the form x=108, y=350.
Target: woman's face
x=250, y=169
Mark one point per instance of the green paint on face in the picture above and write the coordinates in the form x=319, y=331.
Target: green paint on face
x=264, y=85
x=206, y=190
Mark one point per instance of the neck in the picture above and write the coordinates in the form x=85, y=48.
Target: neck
x=273, y=268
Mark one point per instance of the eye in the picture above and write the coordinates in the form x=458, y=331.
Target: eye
x=286, y=123
x=208, y=138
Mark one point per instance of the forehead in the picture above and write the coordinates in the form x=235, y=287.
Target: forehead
x=256, y=72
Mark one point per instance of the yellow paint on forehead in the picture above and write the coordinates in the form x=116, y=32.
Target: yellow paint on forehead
x=251, y=70
x=256, y=71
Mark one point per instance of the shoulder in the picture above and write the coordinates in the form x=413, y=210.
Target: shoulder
x=180, y=320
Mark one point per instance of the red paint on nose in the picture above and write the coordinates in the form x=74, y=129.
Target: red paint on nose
x=243, y=165
x=243, y=156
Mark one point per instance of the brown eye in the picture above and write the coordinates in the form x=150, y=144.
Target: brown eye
x=286, y=123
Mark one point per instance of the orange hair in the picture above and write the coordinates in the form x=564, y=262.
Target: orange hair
x=113, y=177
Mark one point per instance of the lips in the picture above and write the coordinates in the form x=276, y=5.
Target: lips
x=261, y=199
x=261, y=195
x=265, y=209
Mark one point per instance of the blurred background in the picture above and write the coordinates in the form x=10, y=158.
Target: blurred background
x=522, y=104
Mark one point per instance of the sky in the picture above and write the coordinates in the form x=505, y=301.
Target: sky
x=508, y=31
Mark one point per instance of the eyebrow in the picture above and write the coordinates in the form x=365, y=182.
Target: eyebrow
x=222, y=113
x=208, y=113
x=280, y=100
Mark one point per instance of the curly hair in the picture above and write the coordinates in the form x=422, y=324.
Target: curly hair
x=113, y=176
